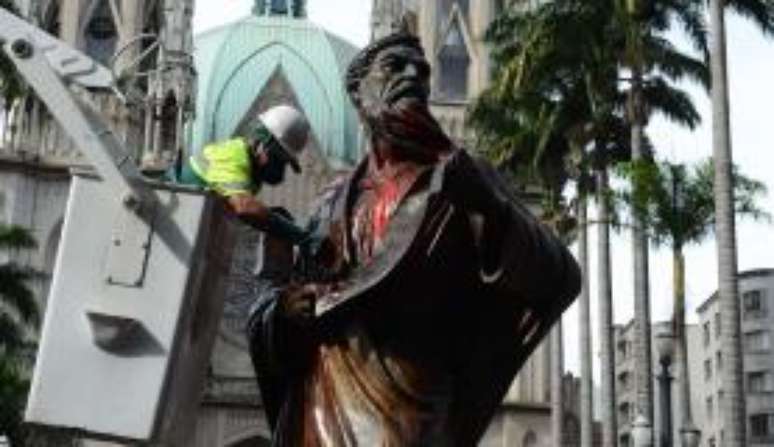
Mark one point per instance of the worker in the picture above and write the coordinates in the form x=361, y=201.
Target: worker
x=236, y=169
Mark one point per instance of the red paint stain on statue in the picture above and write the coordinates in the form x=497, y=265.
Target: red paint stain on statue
x=380, y=195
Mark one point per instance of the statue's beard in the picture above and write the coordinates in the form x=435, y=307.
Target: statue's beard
x=409, y=129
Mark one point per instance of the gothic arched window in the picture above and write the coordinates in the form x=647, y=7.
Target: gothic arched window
x=453, y=65
x=279, y=7
x=101, y=33
x=530, y=439
x=445, y=8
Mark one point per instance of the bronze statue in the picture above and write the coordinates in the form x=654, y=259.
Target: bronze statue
x=433, y=289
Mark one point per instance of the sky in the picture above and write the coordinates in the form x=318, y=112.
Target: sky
x=751, y=65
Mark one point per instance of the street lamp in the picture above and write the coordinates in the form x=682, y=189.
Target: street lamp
x=642, y=432
x=665, y=346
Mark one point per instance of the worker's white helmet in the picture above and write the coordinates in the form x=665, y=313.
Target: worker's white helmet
x=291, y=130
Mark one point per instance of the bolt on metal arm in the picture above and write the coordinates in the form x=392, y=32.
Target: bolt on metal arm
x=48, y=65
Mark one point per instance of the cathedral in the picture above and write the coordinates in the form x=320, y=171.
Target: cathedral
x=212, y=87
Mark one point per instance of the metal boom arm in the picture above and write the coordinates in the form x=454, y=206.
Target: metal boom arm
x=48, y=65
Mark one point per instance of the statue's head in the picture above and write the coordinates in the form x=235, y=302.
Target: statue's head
x=389, y=84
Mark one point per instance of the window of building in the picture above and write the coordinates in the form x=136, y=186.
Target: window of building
x=762, y=425
x=711, y=442
x=453, y=65
x=760, y=382
x=624, y=413
x=708, y=369
x=623, y=352
x=757, y=341
x=530, y=439
x=718, y=325
x=710, y=408
x=623, y=381
x=706, y=332
x=754, y=304
x=279, y=6
x=445, y=8
x=719, y=361
x=101, y=33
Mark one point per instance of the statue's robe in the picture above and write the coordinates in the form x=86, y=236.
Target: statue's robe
x=418, y=342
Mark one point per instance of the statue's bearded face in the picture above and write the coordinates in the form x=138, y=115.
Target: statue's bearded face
x=398, y=73
x=392, y=97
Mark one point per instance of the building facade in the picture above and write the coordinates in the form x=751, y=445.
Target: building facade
x=756, y=292
x=623, y=336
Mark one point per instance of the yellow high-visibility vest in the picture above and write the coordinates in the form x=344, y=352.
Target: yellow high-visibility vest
x=226, y=167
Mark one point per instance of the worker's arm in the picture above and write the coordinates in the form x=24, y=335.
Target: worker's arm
x=248, y=208
x=253, y=212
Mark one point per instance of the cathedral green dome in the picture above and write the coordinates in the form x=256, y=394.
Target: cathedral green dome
x=269, y=58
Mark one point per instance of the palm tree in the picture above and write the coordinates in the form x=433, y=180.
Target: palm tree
x=678, y=209
x=762, y=14
x=557, y=81
x=642, y=21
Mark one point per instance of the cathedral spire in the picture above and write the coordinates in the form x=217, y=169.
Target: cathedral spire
x=386, y=17
x=389, y=16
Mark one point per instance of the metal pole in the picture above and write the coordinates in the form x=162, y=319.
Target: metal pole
x=665, y=383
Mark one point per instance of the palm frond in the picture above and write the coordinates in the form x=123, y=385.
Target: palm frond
x=760, y=12
x=15, y=294
x=15, y=238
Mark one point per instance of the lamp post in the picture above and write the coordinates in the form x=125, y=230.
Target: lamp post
x=665, y=343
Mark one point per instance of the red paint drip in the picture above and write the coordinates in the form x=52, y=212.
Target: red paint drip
x=386, y=196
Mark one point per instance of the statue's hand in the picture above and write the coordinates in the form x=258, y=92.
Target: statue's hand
x=297, y=304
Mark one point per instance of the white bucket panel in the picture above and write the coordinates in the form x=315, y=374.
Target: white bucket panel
x=131, y=316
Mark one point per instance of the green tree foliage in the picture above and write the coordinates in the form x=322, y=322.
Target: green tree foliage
x=678, y=202
x=13, y=395
x=18, y=314
x=18, y=309
x=560, y=84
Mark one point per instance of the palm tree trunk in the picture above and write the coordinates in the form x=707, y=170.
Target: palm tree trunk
x=586, y=385
x=557, y=397
x=733, y=406
x=607, y=353
x=681, y=342
x=643, y=362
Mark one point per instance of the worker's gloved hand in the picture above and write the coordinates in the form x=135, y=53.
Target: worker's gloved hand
x=282, y=227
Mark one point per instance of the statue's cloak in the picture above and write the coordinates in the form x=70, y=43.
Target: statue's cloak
x=445, y=314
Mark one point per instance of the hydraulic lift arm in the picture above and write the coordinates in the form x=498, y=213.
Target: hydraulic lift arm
x=52, y=68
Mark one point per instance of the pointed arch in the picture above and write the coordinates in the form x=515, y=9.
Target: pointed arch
x=100, y=31
x=530, y=439
x=454, y=59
